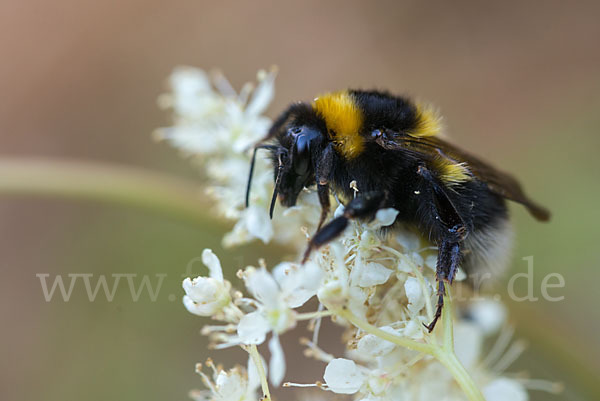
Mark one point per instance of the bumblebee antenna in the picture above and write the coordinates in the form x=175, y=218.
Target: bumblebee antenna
x=252, y=169
x=276, y=188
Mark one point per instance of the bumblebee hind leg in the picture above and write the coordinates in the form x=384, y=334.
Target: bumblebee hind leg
x=450, y=229
x=449, y=255
x=364, y=205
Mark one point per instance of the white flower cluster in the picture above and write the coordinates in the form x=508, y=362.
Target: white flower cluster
x=217, y=126
x=380, y=289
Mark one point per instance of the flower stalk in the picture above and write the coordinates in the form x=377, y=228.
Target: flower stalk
x=444, y=353
x=253, y=351
x=113, y=184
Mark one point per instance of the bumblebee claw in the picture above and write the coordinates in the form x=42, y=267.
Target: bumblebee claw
x=431, y=325
x=306, y=254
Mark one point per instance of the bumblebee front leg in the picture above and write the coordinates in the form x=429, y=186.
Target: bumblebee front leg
x=364, y=205
x=323, y=171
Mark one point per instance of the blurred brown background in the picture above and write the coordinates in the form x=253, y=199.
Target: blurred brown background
x=518, y=83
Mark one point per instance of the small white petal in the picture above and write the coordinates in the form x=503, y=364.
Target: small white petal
x=277, y=362
x=253, y=132
x=386, y=217
x=416, y=300
x=343, y=376
x=408, y=240
x=438, y=382
x=371, y=274
x=230, y=385
x=489, y=315
x=262, y=96
x=413, y=330
x=258, y=223
x=253, y=328
x=503, y=389
x=374, y=346
x=263, y=287
x=404, y=266
x=189, y=80
x=211, y=261
x=461, y=275
x=338, y=211
x=282, y=272
x=190, y=138
x=298, y=283
x=416, y=258
x=431, y=261
x=205, y=296
x=468, y=340
x=378, y=382
x=195, y=308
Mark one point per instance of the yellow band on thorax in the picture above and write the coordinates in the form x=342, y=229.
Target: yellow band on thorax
x=344, y=121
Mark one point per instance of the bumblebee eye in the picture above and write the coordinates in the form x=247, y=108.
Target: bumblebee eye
x=301, y=154
x=304, y=137
x=379, y=133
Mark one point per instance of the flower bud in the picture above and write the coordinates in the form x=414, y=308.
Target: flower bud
x=205, y=296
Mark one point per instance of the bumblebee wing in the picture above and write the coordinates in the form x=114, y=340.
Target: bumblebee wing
x=434, y=148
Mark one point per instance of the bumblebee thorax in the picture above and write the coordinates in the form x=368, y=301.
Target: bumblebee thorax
x=344, y=121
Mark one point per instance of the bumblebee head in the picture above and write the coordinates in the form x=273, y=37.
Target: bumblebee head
x=299, y=136
x=293, y=162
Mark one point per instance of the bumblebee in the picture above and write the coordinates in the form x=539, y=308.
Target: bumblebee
x=392, y=148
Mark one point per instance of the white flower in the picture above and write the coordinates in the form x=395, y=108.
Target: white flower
x=254, y=223
x=489, y=315
x=276, y=296
x=298, y=283
x=503, y=389
x=218, y=124
x=343, y=376
x=205, y=296
x=236, y=384
x=276, y=299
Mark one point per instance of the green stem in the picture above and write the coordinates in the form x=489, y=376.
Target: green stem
x=443, y=353
x=155, y=192
x=448, y=323
x=447, y=356
x=253, y=351
x=369, y=328
x=460, y=374
x=313, y=315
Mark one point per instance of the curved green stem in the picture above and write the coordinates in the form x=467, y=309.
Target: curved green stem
x=444, y=353
x=369, y=328
x=156, y=192
x=460, y=374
